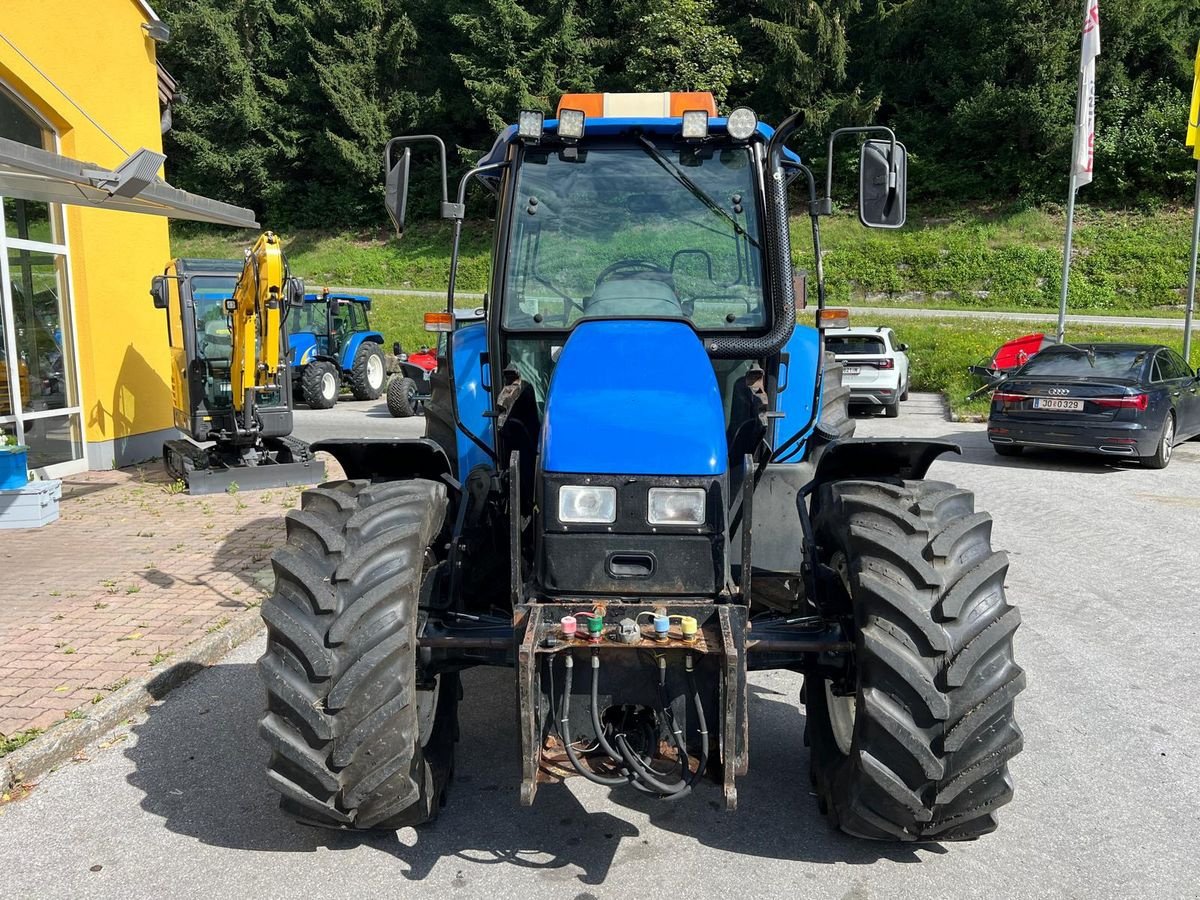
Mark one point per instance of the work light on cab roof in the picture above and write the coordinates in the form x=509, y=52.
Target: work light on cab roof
x=694, y=109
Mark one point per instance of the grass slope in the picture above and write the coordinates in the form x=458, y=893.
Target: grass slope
x=1124, y=261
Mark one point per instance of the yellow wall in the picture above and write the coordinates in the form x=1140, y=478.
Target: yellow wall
x=99, y=56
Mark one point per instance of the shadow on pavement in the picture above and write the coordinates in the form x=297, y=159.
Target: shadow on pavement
x=200, y=765
x=977, y=451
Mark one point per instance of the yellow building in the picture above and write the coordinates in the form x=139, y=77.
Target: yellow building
x=84, y=365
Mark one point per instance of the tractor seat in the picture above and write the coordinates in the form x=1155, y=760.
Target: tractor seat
x=632, y=297
x=216, y=343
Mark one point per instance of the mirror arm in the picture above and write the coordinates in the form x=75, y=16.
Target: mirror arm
x=826, y=203
x=403, y=140
x=814, y=212
x=459, y=210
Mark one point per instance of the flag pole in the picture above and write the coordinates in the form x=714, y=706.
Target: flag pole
x=1066, y=272
x=1074, y=187
x=1191, y=295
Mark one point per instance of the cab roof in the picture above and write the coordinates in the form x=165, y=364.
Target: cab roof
x=196, y=266
x=670, y=126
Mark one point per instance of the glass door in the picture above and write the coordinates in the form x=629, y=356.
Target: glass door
x=39, y=386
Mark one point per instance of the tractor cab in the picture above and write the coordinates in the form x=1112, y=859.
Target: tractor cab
x=331, y=341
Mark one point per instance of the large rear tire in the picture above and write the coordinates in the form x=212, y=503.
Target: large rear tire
x=914, y=744
x=835, y=400
x=360, y=736
x=368, y=374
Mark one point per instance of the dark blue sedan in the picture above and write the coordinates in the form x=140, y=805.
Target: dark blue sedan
x=1132, y=400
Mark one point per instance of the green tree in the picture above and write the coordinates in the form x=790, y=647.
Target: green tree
x=673, y=45
x=228, y=130
x=796, y=58
x=347, y=90
x=521, y=55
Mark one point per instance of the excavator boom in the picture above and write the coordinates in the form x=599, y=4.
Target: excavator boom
x=256, y=319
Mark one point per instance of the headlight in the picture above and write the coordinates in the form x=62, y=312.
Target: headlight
x=676, y=506
x=585, y=503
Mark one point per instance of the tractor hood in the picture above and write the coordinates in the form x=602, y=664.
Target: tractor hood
x=634, y=397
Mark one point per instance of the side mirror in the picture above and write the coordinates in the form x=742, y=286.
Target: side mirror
x=903, y=348
x=295, y=291
x=396, y=189
x=882, y=184
x=397, y=350
x=158, y=291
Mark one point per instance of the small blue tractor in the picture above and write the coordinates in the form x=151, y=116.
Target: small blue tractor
x=639, y=464
x=330, y=341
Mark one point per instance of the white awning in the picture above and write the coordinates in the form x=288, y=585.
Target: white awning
x=34, y=174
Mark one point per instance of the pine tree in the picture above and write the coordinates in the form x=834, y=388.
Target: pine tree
x=227, y=131
x=521, y=55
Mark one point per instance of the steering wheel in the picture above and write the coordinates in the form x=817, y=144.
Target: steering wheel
x=631, y=266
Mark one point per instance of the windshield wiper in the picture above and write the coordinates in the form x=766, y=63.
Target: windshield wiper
x=696, y=191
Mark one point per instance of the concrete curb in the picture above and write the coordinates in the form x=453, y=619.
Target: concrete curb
x=62, y=742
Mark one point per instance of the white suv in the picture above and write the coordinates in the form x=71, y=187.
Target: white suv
x=875, y=366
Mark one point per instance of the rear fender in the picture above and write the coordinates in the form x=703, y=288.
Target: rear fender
x=356, y=340
x=877, y=459
x=381, y=459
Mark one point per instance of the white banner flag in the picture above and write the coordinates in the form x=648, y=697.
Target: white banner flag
x=1085, y=114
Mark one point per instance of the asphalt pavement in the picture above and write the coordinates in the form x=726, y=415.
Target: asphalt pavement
x=353, y=419
x=1108, y=787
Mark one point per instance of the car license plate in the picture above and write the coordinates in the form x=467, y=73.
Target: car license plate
x=851, y=370
x=1058, y=403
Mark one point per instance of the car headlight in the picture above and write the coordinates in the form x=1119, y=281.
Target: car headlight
x=595, y=504
x=676, y=506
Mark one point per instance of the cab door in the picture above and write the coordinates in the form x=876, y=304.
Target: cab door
x=175, y=336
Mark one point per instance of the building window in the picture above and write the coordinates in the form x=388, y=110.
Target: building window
x=39, y=388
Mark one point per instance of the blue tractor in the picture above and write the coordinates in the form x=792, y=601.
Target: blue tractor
x=640, y=465
x=330, y=340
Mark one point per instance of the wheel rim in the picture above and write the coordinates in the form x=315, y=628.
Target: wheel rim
x=842, y=710
x=427, y=703
x=375, y=371
x=411, y=391
x=842, y=713
x=328, y=386
x=1168, y=439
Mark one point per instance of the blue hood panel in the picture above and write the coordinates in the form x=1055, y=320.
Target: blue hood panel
x=634, y=398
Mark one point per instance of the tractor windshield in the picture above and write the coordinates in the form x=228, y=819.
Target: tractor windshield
x=636, y=231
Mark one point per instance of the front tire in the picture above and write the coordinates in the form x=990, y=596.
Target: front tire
x=368, y=374
x=402, y=397
x=913, y=744
x=360, y=737
x=320, y=385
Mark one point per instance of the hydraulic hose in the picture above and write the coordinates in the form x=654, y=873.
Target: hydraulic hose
x=606, y=780
x=635, y=770
x=596, y=723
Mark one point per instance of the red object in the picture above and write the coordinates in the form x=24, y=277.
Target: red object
x=424, y=358
x=1019, y=351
